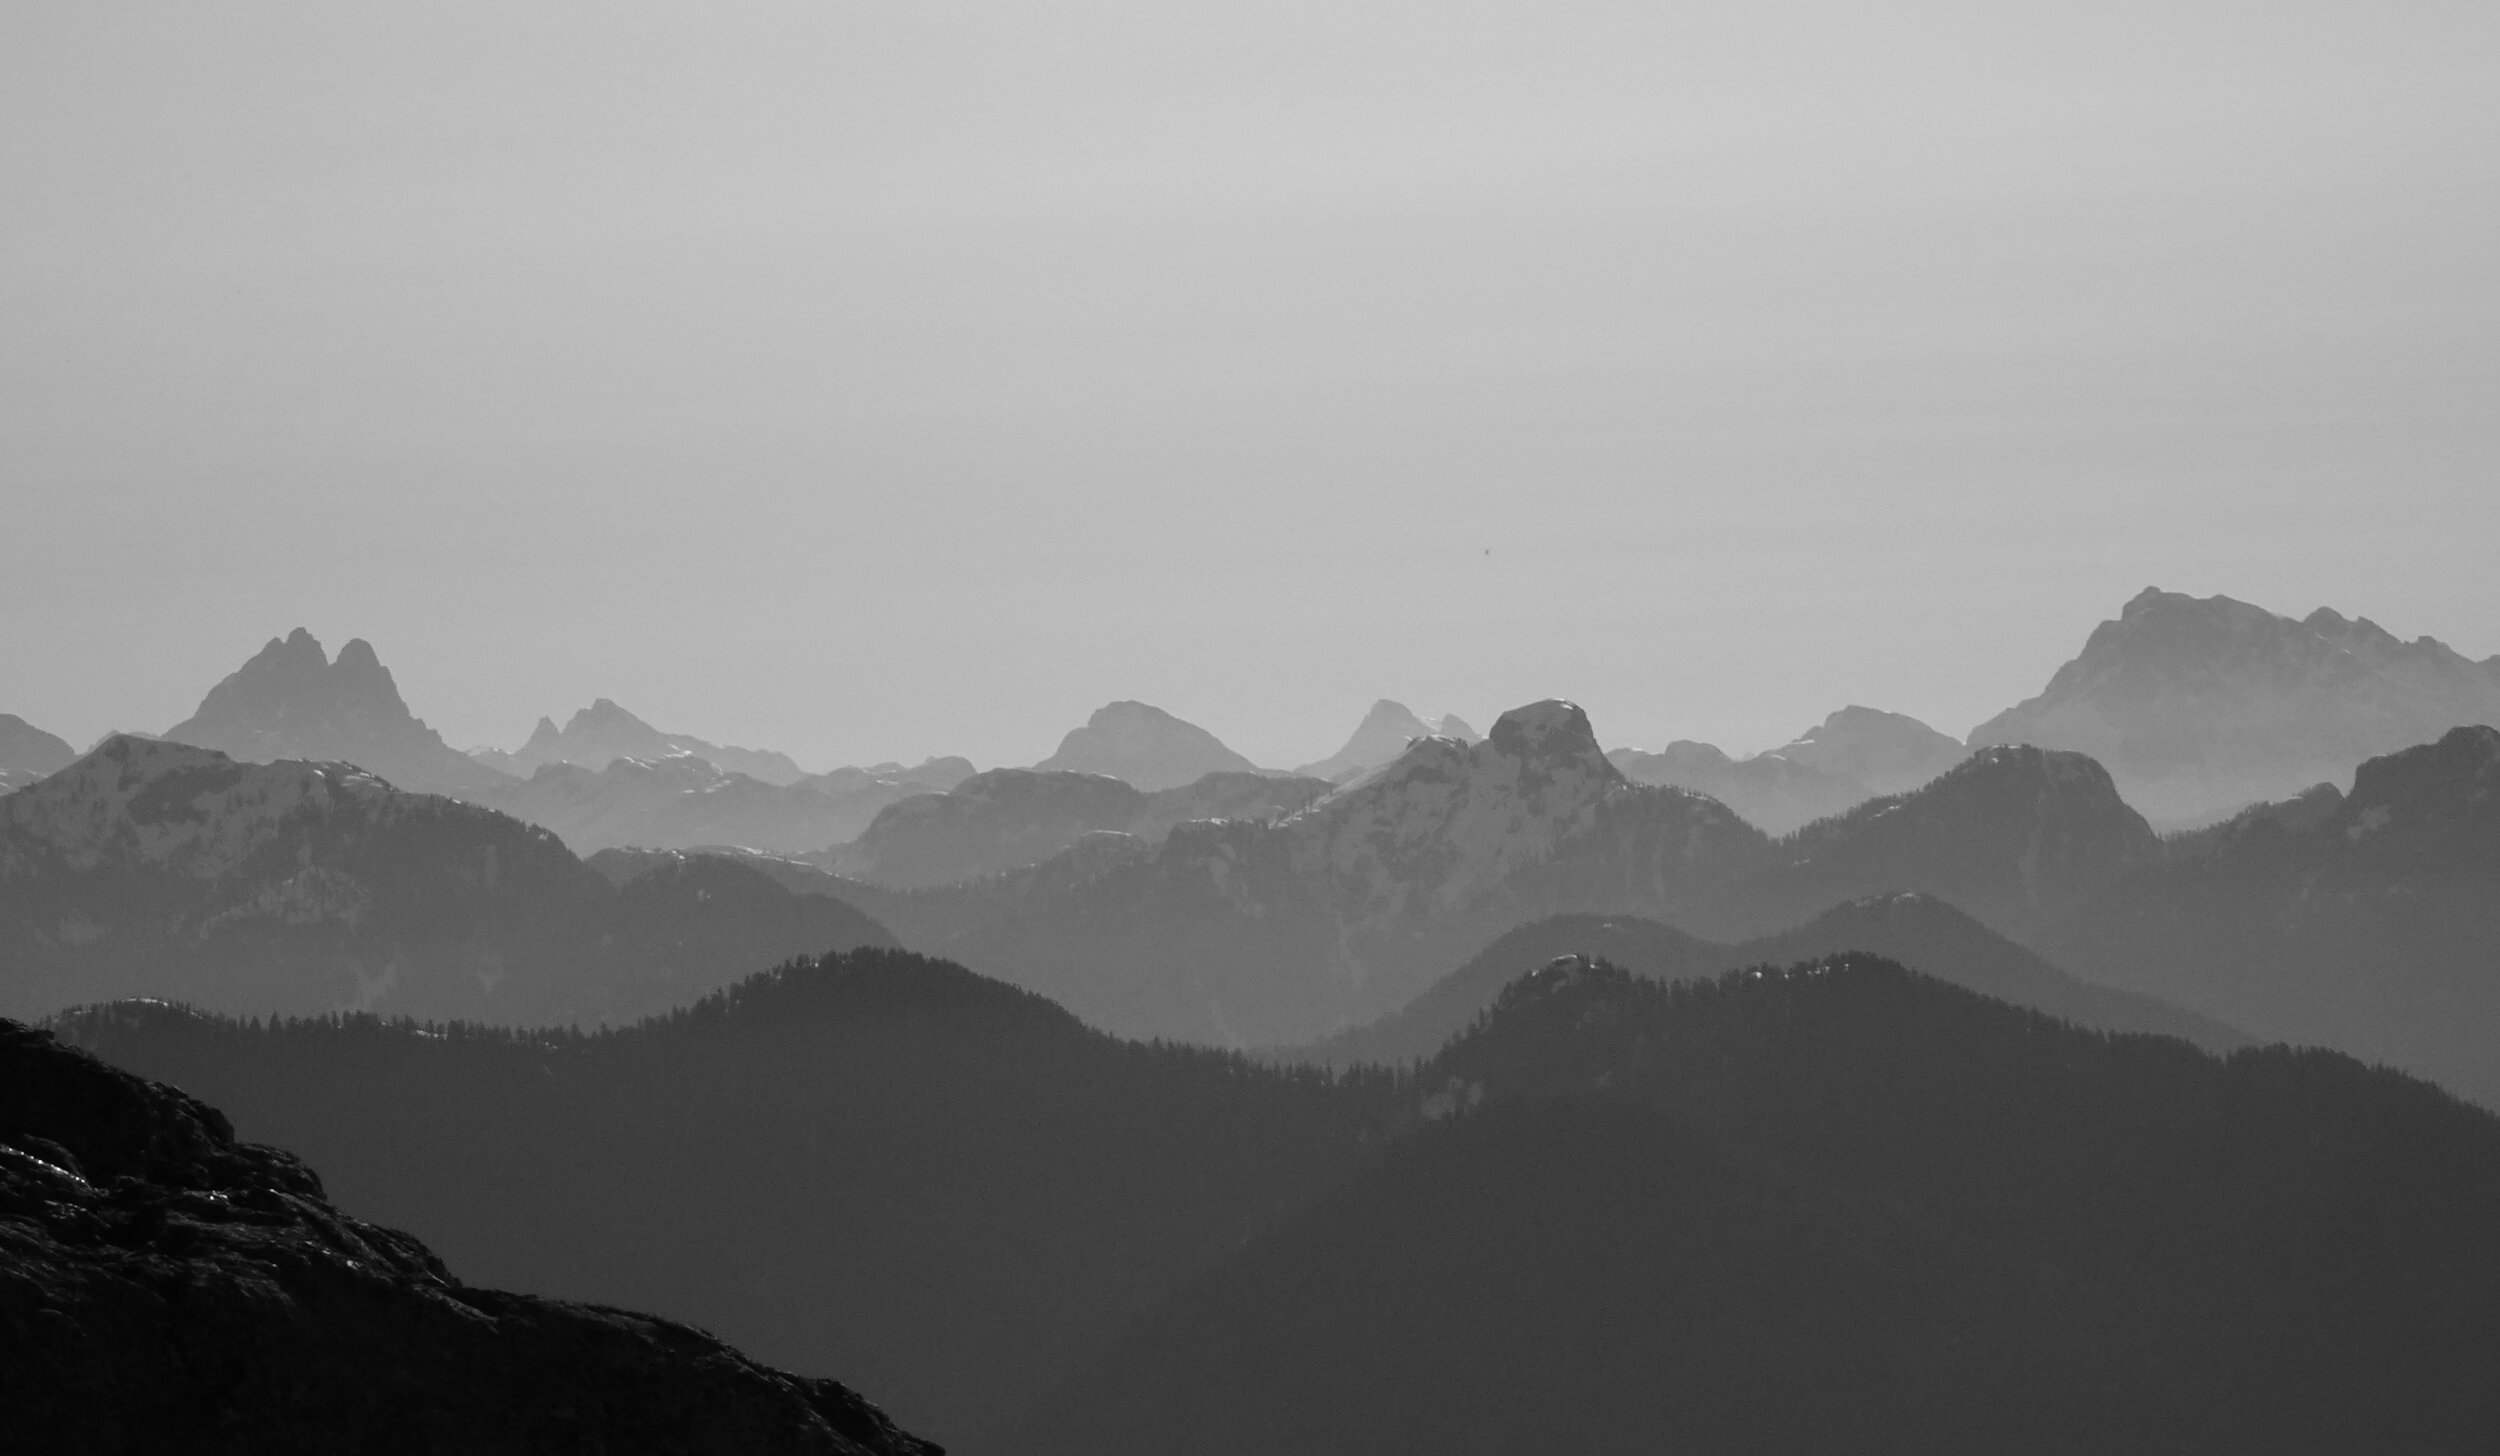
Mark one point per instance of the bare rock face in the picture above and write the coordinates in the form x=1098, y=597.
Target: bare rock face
x=291, y=701
x=2202, y=706
x=166, y=1288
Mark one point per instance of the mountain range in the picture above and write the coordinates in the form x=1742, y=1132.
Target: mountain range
x=152, y=868
x=2200, y=707
x=1381, y=737
x=172, y=1289
x=1767, y=1211
x=1850, y=757
x=1008, y=818
x=1916, y=930
x=1248, y=933
x=2367, y=920
x=602, y=733
x=681, y=801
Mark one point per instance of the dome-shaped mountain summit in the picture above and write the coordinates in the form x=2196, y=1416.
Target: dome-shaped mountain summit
x=1145, y=747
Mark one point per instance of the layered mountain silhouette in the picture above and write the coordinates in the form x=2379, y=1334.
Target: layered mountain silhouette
x=947, y=1190
x=172, y=1289
x=602, y=733
x=291, y=701
x=1854, y=755
x=158, y=869
x=682, y=801
x=1916, y=930
x=1277, y=934
x=2199, y=707
x=1845, y=1207
x=1838, y=1205
x=2019, y=837
x=1249, y=933
x=1380, y=738
x=1772, y=793
x=1144, y=747
x=1011, y=817
x=2368, y=920
x=27, y=753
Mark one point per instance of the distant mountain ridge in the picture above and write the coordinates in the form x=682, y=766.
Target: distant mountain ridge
x=1853, y=755
x=1008, y=818
x=153, y=868
x=1920, y=931
x=1145, y=747
x=291, y=701
x=2202, y=706
x=27, y=753
x=1249, y=933
x=1277, y=934
x=683, y=801
x=1382, y=735
x=2369, y=921
x=598, y=735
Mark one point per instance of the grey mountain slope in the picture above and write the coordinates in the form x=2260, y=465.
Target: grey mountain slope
x=1774, y=794
x=1250, y=933
x=1890, y=753
x=1144, y=746
x=1920, y=931
x=1854, y=755
x=600, y=734
x=2018, y=838
x=1011, y=817
x=290, y=701
x=28, y=754
x=2367, y=921
x=1379, y=738
x=683, y=801
x=159, y=869
x=2199, y=707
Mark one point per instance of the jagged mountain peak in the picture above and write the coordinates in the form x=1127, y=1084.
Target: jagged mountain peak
x=2202, y=705
x=606, y=732
x=290, y=700
x=1382, y=735
x=1447, y=821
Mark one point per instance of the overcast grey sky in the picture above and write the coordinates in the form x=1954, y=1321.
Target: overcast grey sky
x=876, y=380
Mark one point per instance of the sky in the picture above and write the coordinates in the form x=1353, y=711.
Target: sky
x=878, y=380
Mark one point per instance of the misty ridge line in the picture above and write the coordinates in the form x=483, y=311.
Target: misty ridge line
x=2281, y=709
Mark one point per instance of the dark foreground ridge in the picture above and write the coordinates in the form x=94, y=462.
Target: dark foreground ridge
x=1845, y=1207
x=164, y=1287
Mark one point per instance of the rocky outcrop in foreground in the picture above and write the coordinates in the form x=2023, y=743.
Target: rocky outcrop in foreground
x=164, y=1287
